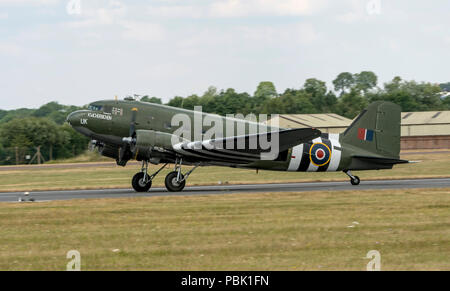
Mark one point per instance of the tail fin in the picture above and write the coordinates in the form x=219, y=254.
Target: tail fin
x=376, y=131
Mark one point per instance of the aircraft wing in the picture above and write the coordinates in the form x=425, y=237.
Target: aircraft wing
x=247, y=148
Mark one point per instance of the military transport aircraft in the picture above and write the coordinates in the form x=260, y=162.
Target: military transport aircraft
x=129, y=129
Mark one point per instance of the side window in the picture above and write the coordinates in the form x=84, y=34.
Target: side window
x=107, y=109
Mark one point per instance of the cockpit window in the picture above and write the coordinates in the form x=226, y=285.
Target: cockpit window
x=95, y=107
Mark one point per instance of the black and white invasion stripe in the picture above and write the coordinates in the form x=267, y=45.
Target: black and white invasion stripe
x=301, y=161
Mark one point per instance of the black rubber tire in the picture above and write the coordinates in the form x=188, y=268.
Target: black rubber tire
x=137, y=183
x=171, y=184
x=355, y=181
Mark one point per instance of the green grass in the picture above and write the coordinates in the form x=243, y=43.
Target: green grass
x=295, y=231
x=103, y=176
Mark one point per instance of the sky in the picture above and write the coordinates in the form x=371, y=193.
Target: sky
x=78, y=51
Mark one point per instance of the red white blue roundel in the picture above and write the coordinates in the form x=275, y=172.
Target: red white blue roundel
x=320, y=154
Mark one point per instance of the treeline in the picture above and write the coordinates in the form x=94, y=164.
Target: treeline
x=349, y=94
x=23, y=130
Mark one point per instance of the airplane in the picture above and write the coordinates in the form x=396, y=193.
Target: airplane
x=128, y=129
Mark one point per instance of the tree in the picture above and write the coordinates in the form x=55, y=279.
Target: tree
x=209, y=99
x=427, y=94
x=365, y=81
x=155, y=100
x=74, y=145
x=232, y=102
x=290, y=102
x=411, y=96
x=47, y=109
x=18, y=113
x=317, y=91
x=297, y=102
x=3, y=113
x=446, y=103
x=176, y=101
x=273, y=106
x=3, y=155
x=33, y=132
x=445, y=87
x=399, y=97
x=393, y=85
x=343, y=82
x=55, y=111
x=265, y=90
x=330, y=103
x=351, y=104
x=190, y=102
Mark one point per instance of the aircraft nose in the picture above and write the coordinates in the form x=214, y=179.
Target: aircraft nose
x=74, y=118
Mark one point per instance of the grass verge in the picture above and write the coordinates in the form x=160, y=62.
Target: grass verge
x=283, y=231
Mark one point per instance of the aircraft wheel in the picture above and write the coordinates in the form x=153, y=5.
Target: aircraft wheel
x=171, y=182
x=138, y=183
x=355, y=181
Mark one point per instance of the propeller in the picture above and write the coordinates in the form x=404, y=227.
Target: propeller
x=133, y=123
x=127, y=151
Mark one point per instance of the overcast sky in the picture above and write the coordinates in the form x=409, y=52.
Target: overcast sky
x=180, y=47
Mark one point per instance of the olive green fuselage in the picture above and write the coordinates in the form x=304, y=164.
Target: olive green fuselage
x=108, y=123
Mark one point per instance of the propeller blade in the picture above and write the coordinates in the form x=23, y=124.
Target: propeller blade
x=133, y=121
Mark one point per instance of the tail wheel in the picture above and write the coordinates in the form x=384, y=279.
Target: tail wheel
x=355, y=181
x=172, y=183
x=139, y=184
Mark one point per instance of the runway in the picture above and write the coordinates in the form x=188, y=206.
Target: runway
x=230, y=189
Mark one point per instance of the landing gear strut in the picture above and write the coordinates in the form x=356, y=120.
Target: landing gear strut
x=176, y=181
x=142, y=181
x=354, y=180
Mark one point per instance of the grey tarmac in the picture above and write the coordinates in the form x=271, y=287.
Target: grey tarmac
x=42, y=196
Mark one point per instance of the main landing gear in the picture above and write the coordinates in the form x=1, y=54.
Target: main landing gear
x=353, y=179
x=142, y=181
x=175, y=181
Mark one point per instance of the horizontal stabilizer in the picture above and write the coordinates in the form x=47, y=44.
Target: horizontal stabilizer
x=384, y=161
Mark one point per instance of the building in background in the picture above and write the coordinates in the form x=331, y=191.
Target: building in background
x=420, y=130
x=426, y=130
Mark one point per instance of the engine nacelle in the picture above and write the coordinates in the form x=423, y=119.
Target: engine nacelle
x=147, y=140
x=121, y=154
x=109, y=151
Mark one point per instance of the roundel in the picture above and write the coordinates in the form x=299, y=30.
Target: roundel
x=320, y=154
